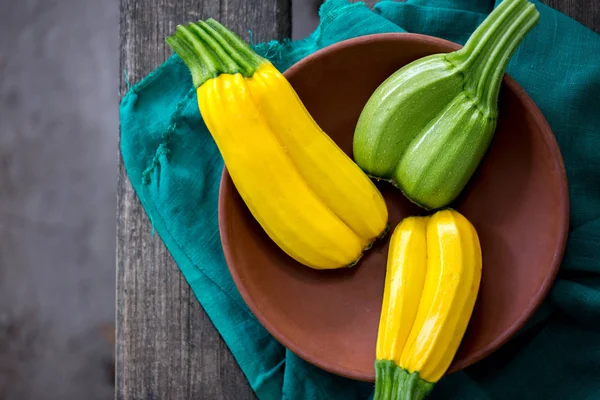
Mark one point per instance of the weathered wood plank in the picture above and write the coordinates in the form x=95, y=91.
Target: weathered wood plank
x=585, y=11
x=167, y=348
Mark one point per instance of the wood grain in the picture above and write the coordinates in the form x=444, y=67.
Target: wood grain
x=167, y=348
x=585, y=11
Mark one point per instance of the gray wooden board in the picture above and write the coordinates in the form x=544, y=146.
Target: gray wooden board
x=167, y=348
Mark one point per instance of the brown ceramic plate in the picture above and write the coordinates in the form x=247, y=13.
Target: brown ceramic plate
x=517, y=201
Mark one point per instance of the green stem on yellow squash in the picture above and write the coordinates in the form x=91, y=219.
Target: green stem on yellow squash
x=209, y=49
x=238, y=44
x=395, y=383
x=201, y=66
x=227, y=64
x=247, y=67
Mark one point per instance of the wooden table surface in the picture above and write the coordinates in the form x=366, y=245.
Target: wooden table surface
x=167, y=348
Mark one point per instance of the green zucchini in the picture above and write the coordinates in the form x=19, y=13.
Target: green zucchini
x=427, y=127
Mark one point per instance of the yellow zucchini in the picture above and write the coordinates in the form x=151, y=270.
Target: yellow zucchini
x=310, y=198
x=432, y=281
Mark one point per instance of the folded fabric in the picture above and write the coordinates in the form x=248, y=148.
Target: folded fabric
x=175, y=169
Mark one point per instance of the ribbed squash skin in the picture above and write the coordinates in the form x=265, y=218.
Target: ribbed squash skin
x=432, y=280
x=310, y=198
x=427, y=127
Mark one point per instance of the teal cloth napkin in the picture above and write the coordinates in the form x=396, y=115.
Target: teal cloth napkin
x=175, y=169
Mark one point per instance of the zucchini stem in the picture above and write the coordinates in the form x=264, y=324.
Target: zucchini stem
x=209, y=49
x=394, y=382
x=481, y=41
x=226, y=63
x=500, y=58
x=486, y=54
x=238, y=44
x=199, y=70
x=244, y=64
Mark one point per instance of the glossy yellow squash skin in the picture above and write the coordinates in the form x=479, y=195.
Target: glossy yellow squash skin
x=433, y=276
x=268, y=181
x=451, y=286
x=311, y=199
x=334, y=177
x=404, y=280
